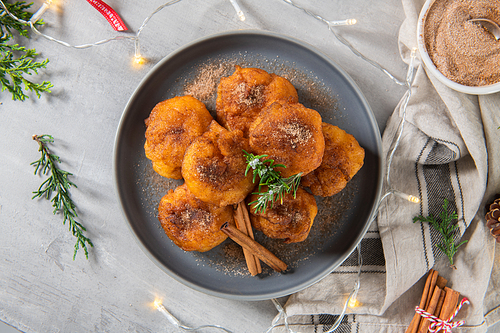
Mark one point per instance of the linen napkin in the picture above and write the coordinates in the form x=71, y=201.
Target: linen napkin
x=449, y=149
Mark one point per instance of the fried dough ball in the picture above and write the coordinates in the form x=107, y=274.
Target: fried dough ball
x=214, y=166
x=342, y=160
x=290, y=220
x=193, y=225
x=171, y=127
x=290, y=134
x=241, y=96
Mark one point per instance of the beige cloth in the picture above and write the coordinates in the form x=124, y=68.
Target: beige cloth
x=450, y=148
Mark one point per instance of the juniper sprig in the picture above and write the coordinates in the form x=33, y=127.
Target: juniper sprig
x=13, y=70
x=19, y=10
x=446, y=226
x=58, y=183
x=18, y=62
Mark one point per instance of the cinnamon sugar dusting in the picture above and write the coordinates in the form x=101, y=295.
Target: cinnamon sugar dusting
x=211, y=172
x=205, y=83
x=295, y=133
x=198, y=217
x=249, y=96
x=461, y=50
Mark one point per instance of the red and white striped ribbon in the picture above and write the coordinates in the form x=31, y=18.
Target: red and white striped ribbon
x=439, y=324
x=110, y=15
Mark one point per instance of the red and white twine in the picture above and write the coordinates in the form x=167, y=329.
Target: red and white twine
x=439, y=324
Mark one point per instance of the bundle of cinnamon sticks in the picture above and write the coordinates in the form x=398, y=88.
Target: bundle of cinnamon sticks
x=437, y=299
x=253, y=251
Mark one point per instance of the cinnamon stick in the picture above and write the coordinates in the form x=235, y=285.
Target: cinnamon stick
x=450, y=303
x=424, y=324
x=257, y=250
x=250, y=259
x=441, y=282
x=246, y=218
x=415, y=322
x=440, y=303
x=434, y=278
x=249, y=231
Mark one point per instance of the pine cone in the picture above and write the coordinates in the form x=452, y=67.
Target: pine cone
x=493, y=219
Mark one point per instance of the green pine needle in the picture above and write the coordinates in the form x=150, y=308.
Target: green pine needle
x=58, y=183
x=445, y=226
x=17, y=62
x=277, y=186
x=18, y=9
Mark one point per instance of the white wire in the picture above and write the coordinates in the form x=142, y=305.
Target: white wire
x=347, y=43
x=146, y=20
x=353, y=293
x=175, y=322
x=406, y=100
x=100, y=42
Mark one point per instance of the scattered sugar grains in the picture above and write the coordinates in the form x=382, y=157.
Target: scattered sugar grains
x=463, y=51
x=154, y=187
x=205, y=83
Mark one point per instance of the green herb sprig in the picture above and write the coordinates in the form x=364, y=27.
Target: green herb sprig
x=58, y=183
x=18, y=9
x=277, y=186
x=16, y=62
x=445, y=226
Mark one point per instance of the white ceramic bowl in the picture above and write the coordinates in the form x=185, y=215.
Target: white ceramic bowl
x=474, y=90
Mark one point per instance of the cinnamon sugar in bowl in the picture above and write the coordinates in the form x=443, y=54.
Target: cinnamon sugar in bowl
x=460, y=54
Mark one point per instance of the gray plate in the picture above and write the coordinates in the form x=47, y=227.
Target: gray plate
x=342, y=219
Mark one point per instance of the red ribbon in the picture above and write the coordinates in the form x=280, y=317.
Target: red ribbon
x=110, y=15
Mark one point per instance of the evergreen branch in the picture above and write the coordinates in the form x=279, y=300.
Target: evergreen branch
x=277, y=186
x=18, y=9
x=12, y=71
x=445, y=226
x=16, y=62
x=58, y=183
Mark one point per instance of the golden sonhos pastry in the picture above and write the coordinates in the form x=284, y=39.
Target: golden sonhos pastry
x=290, y=220
x=193, y=225
x=171, y=127
x=214, y=166
x=342, y=160
x=290, y=134
x=241, y=96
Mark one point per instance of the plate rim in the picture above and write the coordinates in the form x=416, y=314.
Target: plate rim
x=329, y=268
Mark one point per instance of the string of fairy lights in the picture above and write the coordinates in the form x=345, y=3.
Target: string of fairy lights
x=138, y=59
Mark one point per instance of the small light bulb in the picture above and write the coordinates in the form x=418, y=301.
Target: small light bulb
x=38, y=14
x=138, y=60
x=353, y=303
x=238, y=10
x=409, y=197
x=157, y=303
x=159, y=306
x=241, y=16
x=341, y=22
x=414, y=199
